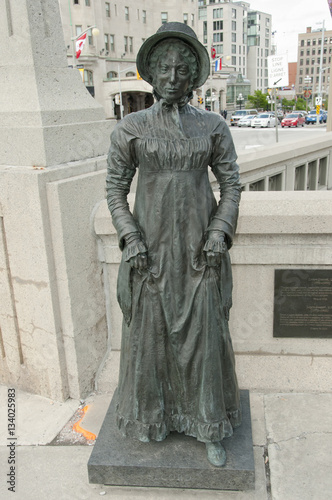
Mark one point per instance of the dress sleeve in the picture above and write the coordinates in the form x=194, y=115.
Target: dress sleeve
x=226, y=170
x=120, y=172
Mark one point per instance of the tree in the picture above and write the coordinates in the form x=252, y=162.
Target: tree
x=258, y=100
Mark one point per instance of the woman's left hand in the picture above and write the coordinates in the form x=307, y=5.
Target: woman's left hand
x=215, y=239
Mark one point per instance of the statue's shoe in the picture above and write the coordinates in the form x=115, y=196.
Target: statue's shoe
x=216, y=453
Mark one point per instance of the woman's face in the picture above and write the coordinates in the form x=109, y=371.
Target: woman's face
x=172, y=77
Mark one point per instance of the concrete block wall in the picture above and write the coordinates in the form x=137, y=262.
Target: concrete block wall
x=276, y=230
x=53, y=331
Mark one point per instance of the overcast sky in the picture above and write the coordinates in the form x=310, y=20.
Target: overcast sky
x=291, y=17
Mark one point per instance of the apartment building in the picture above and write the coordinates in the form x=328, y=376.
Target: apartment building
x=108, y=60
x=242, y=38
x=313, y=62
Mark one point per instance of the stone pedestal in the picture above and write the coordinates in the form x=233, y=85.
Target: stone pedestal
x=53, y=146
x=177, y=462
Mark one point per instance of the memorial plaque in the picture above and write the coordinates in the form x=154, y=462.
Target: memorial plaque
x=303, y=303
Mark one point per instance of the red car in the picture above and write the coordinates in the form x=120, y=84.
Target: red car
x=293, y=120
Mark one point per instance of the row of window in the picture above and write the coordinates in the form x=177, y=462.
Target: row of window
x=313, y=52
x=313, y=61
x=164, y=18
x=313, y=41
x=108, y=10
x=312, y=70
x=317, y=80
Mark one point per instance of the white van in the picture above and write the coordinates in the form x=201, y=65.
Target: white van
x=240, y=113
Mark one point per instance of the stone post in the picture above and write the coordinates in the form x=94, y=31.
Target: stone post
x=54, y=139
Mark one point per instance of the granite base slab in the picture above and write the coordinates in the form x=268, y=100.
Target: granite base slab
x=177, y=462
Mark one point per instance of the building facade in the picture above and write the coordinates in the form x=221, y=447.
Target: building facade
x=313, y=64
x=259, y=42
x=108, y=59
x=243, y=39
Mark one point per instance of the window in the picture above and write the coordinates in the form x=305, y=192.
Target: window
x=125, y=39
x=300, y=80
x=301, y=53
x=267, y=32
x=202, y=15
x=217, y=13
x=219, y=49
x=112, y=42
x=87, y=3
x=204, y=31
x=130, y=74
x=127, y=13
x=307, y=62
x=308, y=52
x=233, y=49
x=90, y=37
x=106, y=41
x=192, y=20
x=131, y=43
x=308, y=43
x=111, y=74
x=233, y=37
x=266, y=52
x=234, y=13
x=185, y=18
x=78, y=30
x=217, y=37
x=138, y=14
x=164, y=17
x=76, y=2
x=217, y=25
x=108, y=9
x=144, y=16
x=88, y=78
x=313, y=52
x=233, y=25
x=233, y=60
x=302, y=43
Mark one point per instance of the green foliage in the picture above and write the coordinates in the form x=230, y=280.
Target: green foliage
x=300, y=104
x=257, y=100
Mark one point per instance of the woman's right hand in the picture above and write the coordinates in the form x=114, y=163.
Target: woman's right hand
x=139, y=261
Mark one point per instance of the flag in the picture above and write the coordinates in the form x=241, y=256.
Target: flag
x=213, y=52
x=79, y=45
x=218, y=65
x=330, y=6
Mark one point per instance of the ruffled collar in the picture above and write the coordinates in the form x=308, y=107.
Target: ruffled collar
x=174, y=106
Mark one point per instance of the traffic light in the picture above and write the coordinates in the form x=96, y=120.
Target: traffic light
x=200, y=100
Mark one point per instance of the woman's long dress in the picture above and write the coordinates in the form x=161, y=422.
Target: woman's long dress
x=177, y=369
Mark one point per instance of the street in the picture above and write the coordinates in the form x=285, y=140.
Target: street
x=250, y=139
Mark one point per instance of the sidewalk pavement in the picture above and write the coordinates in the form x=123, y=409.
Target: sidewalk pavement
x=292, y=439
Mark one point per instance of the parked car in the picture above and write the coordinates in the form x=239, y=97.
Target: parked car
x=312, y=117
x=264, y=120
x=293, y=120
x=245, y=121
x=240, y=113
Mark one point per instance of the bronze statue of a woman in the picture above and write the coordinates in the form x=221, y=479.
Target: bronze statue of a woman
x=177, y=368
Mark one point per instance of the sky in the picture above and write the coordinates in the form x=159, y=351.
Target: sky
x=291, y=17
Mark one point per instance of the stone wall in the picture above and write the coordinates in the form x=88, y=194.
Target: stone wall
x=279, y=230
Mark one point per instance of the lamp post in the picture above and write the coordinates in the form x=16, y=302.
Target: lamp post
x=120, y=92
x=94, y=32
x=240, y=98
